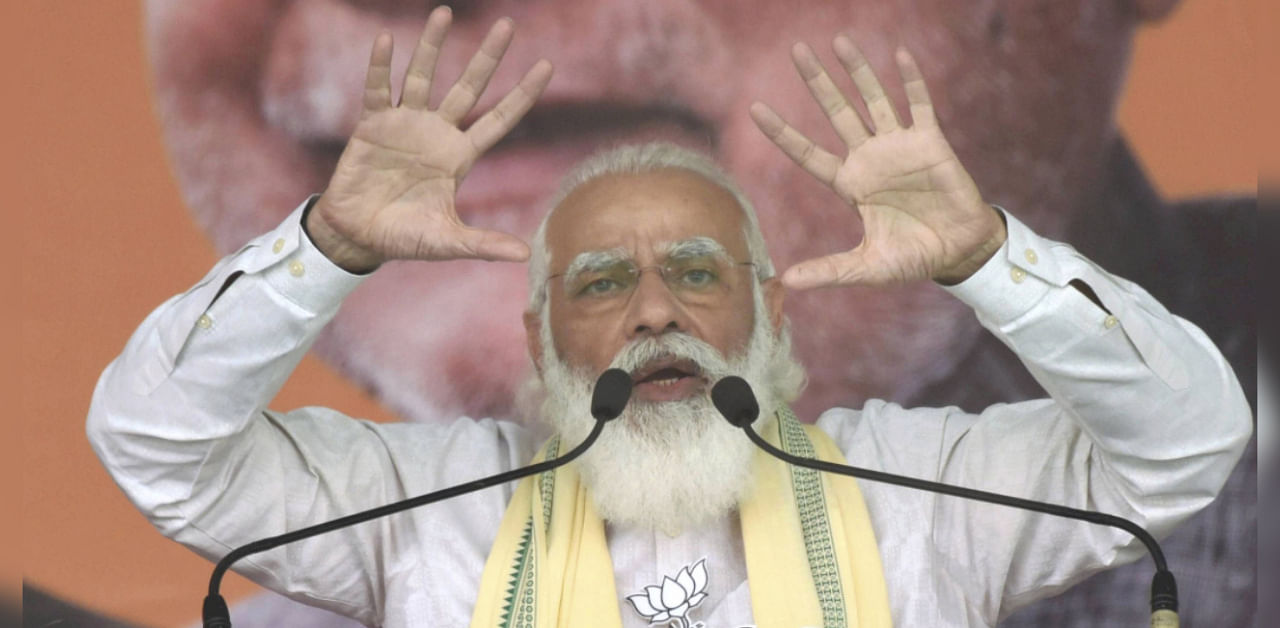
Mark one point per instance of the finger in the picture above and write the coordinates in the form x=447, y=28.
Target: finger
x=842, y=116
x=377, y=81
x=844, y=268
x=464, y=94
x=917, y=92
x=493, y=125
x=799, y=148
x=879, y=106
x=422, y=67
x=492, y=246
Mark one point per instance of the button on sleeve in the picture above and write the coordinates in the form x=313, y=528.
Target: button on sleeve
x=1010, y=283
x=303, y=275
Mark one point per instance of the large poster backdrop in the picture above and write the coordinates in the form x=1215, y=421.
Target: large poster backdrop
x=248, y=102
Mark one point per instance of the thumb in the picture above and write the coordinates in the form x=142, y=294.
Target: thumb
x=849, y=267
x=492, y=246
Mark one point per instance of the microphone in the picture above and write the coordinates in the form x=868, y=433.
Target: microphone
x=611, y=394
x=608, y=399
x=732, y=396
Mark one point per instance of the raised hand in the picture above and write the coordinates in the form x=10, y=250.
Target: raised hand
x=922, y=214
x=392, y=194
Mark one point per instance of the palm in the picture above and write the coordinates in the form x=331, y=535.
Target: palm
x=399, y=174
x=906, y=185
x=922, y=214
x=392, y=193
x=410, y=143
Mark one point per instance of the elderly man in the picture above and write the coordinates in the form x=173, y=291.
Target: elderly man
x=652, y=261
x=257, y=99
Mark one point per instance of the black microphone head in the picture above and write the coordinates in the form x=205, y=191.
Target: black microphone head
x=613, y=390
x=732, y=396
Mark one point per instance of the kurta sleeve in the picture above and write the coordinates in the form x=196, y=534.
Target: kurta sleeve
x=180, y=421
x=1146, y=421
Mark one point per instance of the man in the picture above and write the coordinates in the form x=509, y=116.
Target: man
x=258, y=97
x=652, y=261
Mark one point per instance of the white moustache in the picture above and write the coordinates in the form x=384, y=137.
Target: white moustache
x=673, y=346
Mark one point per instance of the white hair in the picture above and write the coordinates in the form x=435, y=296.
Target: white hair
x=787, y=376
x=640, y=159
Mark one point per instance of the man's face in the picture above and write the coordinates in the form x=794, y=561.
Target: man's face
x=257, y=98
x=670, y=460
x=685, y=236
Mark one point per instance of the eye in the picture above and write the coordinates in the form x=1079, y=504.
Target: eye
x=698, y=278
x=600, y=287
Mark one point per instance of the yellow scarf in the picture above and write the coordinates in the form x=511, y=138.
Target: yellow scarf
x=811, y=554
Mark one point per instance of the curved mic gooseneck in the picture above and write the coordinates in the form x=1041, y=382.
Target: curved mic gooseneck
x=608, y=399
x=733, y=397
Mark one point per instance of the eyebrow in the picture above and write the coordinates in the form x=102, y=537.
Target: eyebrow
x=699, y=246
x=594, y=261
x=590, y=261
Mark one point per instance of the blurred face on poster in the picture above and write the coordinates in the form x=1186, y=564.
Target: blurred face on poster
x=258, y=97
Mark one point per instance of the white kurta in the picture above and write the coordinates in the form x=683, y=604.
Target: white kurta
x=1146, y=421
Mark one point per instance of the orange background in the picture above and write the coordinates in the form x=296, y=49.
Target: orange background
x=105, y=239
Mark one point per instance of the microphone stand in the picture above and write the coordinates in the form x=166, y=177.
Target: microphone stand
x=1164, y=590
x=613, y=389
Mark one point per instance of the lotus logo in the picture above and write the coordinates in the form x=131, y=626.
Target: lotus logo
x=672, y=601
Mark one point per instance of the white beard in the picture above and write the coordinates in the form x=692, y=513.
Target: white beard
x=669, y=466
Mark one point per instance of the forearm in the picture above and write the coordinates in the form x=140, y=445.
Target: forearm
x=1145, y=386
x=204, y=365
x=1146, y=419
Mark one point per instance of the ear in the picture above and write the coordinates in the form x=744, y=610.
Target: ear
x=773, y=293
x=533, y=338
x=1154, y=10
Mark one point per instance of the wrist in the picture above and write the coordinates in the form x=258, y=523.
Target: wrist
x=337, y=248
x=979, y=257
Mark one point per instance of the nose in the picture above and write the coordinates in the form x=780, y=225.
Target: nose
x=653, y=309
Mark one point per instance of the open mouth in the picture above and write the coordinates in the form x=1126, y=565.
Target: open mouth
x=665, y=371
x=667, y=379
x=572, y=121
x=520, y=172
x=593, y=123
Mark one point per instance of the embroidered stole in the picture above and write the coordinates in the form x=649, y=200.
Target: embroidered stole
x=810, y=551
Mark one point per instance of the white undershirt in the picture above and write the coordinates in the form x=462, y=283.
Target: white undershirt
x=643, y=557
